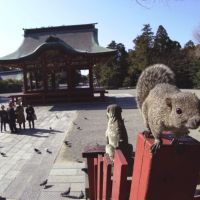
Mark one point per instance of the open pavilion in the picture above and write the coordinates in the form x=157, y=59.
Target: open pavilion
x=53, y=60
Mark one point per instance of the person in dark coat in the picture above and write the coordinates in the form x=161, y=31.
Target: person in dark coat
x=30, y=115
x=4, y=118
x=12, y=118
x=20, y=115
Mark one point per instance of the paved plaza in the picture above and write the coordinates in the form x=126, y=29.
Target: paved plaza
x=81, y=124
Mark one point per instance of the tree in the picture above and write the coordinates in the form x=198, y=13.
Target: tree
x=143, y=45
x=141, y=55
x=164, y=48
x=113, y=73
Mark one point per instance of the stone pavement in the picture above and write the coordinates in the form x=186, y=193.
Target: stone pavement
x=22, y=169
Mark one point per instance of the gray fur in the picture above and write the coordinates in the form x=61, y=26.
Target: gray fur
x=160, y=101
x=116, y=133
x=150, y=77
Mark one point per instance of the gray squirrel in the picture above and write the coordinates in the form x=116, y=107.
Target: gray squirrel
x=116, y=133
x=164, y=107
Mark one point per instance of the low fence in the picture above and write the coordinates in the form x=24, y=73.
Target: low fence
x=170, y=174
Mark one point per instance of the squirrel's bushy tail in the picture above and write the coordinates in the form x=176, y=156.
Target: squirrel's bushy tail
x=149, y=78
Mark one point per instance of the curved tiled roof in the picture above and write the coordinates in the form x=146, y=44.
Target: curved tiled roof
x=72, y=39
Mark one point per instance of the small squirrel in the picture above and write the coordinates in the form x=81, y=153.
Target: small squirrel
x=164, y=107
x=116, y=133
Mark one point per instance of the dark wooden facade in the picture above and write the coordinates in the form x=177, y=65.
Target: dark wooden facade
x=52, y=60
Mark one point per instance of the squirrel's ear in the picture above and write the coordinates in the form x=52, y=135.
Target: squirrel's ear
x=168, y=102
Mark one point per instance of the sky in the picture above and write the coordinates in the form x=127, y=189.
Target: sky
x=118, y=20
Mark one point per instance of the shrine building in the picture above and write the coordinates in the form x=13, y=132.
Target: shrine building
x=57, y=64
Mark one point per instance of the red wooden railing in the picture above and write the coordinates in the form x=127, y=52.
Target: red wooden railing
x=171, y=174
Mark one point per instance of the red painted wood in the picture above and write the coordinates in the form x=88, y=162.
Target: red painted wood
x=198, y=181
x=95, y=177
x=197, y=197
x=119, y=187
x=107, y=183
x=100, y=177
x=137, y=167
x=170, y=174
x=91, y=177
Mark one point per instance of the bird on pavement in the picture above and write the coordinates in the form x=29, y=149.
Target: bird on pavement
x=37, y=151
x=44, y=182
x=3, y=154
x=66, y=142
x=81, y=196
x=48, y=151
x=85, y=118
x=64, y=194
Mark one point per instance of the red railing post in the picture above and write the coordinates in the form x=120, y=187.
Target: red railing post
x=99, y=177
x=107, y=183
x=95, y=178
x=170, y=174
x=119, y=186
x=91, y=154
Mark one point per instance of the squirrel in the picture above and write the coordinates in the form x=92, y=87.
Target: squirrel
x=116, y=133
x=164, y=106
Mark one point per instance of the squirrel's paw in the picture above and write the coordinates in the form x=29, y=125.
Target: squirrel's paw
x=156, y=146
x=175, y=141
x=147, y=133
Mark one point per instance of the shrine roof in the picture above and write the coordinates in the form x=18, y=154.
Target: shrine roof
x=73, y=39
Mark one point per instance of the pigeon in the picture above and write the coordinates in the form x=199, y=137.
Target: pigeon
x=81, y=196
x=48, y=186
x=84, y=170
x=37, y=151
x=3, y=154
x=66, y=142
x=79, y=128
x=66, y=193
x=57, y=117
x=44, y=182
x=74, y=123
x=48, y=151
x=79, y=161
x=85, y=118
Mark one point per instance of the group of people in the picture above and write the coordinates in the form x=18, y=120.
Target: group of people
x=14, y=114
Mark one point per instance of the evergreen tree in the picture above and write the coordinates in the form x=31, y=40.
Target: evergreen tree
x=141, y=56
x=113, y=73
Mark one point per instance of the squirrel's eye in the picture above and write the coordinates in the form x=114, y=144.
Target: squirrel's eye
x=178, y=111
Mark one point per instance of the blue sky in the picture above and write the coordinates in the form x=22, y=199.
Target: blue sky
x=119, y=20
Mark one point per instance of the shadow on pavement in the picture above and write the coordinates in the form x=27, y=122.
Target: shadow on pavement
x=124, y=102
x=37, y=132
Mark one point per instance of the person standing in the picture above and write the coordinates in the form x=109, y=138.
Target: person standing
x=30, y=115
x=4, y=118
x=20, y=114
x=12, y=118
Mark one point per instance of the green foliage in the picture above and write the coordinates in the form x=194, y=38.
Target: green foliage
x=113, y=73
x=8, y=86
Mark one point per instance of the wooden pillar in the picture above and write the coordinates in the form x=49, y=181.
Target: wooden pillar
x=70, y=78
x=31, y=80
x=25, y=79
x=44, y=76
x=91, y=77
x=36, y=80
x=53, y=80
